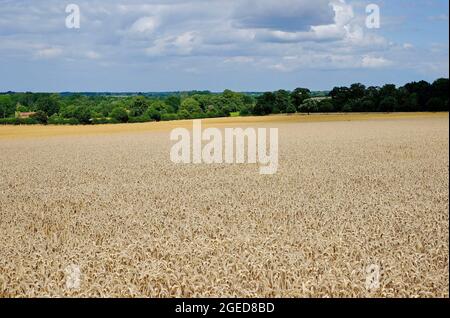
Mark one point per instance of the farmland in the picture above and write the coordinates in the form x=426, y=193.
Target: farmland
x=351, y=191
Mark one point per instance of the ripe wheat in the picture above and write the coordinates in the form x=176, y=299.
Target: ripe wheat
x=113, y=216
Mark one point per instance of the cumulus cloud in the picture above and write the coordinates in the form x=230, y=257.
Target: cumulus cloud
x=375, y=62
x=282, y=15
x=144, y=25
x=189, y=28
x=441, y=17
x=341, y=29
x=281, y=36
x=408, y=46
x=182, y=44
x=239, y=59
x=93, y=55
x=49, y=53
x=326, y=61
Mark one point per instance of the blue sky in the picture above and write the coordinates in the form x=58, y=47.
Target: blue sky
x=243, y=45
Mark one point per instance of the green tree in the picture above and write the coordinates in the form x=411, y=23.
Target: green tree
x=357, y=91
x=160, y=106
x=291, y=109
x=282, y=101
x=367, y=104
x=340, y=97
x=191, y=105
x=388, y=104
x=248, y=100
x=120, y=114
x=48, y=104
x=20, y=108
x=174, y=102
x=440, y=88
x=264, y=104
x=153, y=114
x=203, y=100
x=6, y=106
x=412, y=102
x=435, y=104
x=68, y=111
x=299, y=95
x=325, y=106
x=233, y=101
x=184, y=114
x=83, y=114
x=373, y=94
x=41, y=117
x=348, y=107
x=246, y=111
x=309, y=106
x=423, y=92
x=388, y=90
x=104, y=107
x=139, y=106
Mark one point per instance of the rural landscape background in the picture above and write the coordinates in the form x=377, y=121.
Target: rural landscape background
x=102, y=108
x=92, y=206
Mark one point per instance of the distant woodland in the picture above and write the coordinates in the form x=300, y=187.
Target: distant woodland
x=101, y=108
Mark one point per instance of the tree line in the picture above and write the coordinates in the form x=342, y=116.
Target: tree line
x=73, y=109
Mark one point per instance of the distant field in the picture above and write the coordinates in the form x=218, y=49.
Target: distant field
x=43, y=131
x=352, y=191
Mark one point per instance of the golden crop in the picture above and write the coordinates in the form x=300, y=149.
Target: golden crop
x=347, y=194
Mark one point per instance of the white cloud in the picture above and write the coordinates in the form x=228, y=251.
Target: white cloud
x=280, y=67
x=49, y=53
x=345, y=27
x=408, y=46
x=282, y=35
x=225, y=29
x=93, y=55
x=240, y=59
x=179, y=45
x=375, y=62
x=282, y=15
x=441, y=17
x=144, y=25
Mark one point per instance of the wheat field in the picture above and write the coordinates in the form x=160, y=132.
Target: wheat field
x=350, y=192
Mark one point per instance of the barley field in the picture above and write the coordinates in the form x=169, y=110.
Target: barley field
x=105, y=204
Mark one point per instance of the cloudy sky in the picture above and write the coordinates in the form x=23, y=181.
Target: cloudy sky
x=244, y=45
